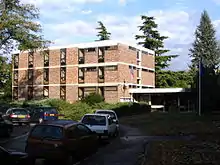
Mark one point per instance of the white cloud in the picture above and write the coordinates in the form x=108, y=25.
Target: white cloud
x=217, y=2
x=86, y=11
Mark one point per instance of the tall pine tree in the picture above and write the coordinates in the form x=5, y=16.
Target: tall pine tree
x=152, y=39
x=205, y=49
x=103, y=34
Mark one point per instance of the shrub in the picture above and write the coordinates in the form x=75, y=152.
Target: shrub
x=93, y=98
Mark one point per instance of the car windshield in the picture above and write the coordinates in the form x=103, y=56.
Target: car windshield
x=94, y=120
x=107, y=112
x=47, y=131
x=20, y=112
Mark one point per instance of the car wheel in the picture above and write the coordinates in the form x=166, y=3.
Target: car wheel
x=40, y=120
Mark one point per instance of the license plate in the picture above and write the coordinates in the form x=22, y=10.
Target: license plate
x=52, y=115
x=21, y=116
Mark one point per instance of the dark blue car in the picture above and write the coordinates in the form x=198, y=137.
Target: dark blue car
x=40, y=114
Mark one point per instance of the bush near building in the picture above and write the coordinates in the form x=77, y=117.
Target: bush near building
x=75, y=111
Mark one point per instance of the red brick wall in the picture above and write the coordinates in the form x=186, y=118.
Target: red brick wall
x=111, y=96
x=90, y=77
x=23, y=60
x=54, y=75
x=148, y=61
x=72, y=93
x=91, y=57
x=148, y=78
x=54, y=57
x=72, y=75
x=125, y=74
x=22, y=77
x=126, y=55
x=72, y=56
x=54, y=92
x=39, y=59
x=38, y=77
x=111, y=76
x=111, y=55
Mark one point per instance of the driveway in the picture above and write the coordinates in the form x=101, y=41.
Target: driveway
x=123, y=150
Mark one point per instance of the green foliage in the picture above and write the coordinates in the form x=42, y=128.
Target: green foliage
x=178, y=79
x=205, y=46
x=205, y=49
x=103, y=34
x=152, y=39
x=18, y=23
x=93, y=98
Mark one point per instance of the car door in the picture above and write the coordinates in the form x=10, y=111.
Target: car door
x=111, y=126
x=88, y=139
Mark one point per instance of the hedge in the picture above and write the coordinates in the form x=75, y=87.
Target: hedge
x=76, y=110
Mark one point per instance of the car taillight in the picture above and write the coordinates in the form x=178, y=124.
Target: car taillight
x=28, y=116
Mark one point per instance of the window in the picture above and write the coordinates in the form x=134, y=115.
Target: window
x=46, y=92
x=138, y=81
x=62, y=56
x=91, y=69
x=101, y=75
x=94, y=120
x=89, y=90
x=30, y=59
x=30, y=76
x=81, y=56
x=144, y=52
x=91, y=49
x=47, y=131
x=30, y=93
x=111, y=47
x=81, y=93
x=81, y=75
x=63, y=92
x=15, y=77
x=101, y=55
x=15, y=93
x=62, y=75
x=16, y=61
x=46, y=76
x=111, y=68
x=46, y=58
x=83, y=129
x=111, y=88
x=132, y=48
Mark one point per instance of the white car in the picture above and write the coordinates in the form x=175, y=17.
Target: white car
x=112, y=114
x=102, y=124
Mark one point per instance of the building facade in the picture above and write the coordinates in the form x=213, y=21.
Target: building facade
x=108, y=67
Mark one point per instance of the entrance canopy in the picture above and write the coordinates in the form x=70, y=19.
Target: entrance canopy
x=158, y=90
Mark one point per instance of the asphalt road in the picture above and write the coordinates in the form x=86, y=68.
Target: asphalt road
x=123, y=150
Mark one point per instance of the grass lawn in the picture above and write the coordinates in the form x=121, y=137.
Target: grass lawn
x=204, y=149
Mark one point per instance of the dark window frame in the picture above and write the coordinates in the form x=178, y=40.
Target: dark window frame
x=81, y=59
x=46, y=60
x=15, y=93
x=15, y=80
x=46, y=76
x=63, y=59
x=63, y=97
x=30, y=79
x=16, y=61
x=62, y=79
x=91, y=50
x=82, y=96
x=46, y=87
x=31, y=62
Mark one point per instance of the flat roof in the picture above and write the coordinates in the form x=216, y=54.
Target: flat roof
x=98, y=44
x=158, y=90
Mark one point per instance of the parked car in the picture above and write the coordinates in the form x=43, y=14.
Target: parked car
x=40, y=114
x=11, y=157
x=6, y=127
x=60, y=141
x=112, y=114
x=17, y=115
x=102, y=124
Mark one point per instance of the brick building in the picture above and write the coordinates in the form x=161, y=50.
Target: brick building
x=71, y=72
